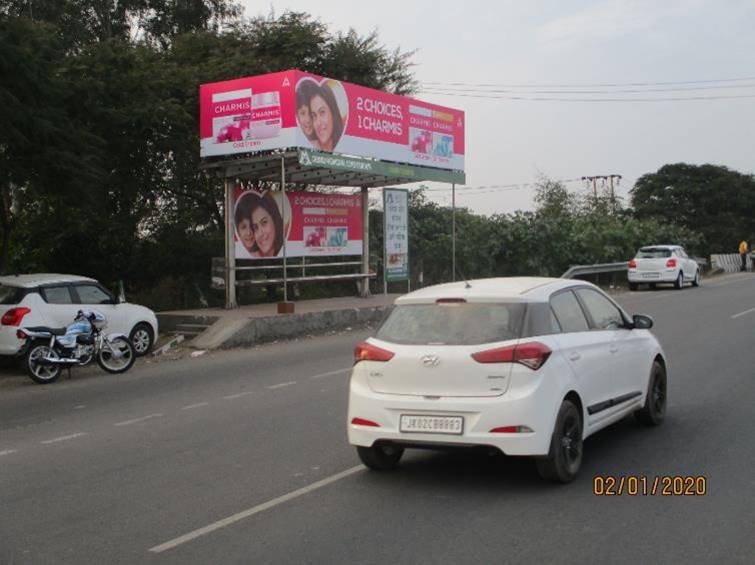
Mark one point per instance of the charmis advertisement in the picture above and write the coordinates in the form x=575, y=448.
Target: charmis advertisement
x=292, y=109
x=311, y=223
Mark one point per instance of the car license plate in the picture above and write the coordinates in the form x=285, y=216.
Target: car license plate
x=651, y=275
x=414, y=423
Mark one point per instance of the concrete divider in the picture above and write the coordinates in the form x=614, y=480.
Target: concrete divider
x=259, y=323
x=242, y=333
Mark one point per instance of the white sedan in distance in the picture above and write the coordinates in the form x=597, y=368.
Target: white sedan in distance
x=53, y=300
x=662, y=264
x=526, y=366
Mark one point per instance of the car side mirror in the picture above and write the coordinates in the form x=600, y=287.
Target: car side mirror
x=642, y=322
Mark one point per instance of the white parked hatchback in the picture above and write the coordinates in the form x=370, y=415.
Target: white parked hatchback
x=528, y=366
x=53, y=300
x=662, y=264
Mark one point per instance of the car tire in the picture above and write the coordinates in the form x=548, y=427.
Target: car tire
x=633, y=286
x=679, y=284
x=380, y=457
x=654, y=410
x=565, y=455
x=142, y=338
x=697, y=281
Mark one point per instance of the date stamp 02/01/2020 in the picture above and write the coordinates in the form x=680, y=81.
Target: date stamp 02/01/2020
x=644, y=485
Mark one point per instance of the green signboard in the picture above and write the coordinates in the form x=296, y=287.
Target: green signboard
x=317, y=159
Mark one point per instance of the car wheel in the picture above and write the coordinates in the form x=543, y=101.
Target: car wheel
x=380, y=457
x=679, y=284
x=565, y=454
x=696, y=281
x=142, y=338
x=654, y=410
x=633, y=286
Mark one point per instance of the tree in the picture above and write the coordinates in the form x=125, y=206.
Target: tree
x=713, y=200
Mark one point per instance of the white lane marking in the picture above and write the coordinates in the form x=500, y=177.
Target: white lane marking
x=254, y=510
x=743, y=313
x=135, y=420
x=281, y=385
x=64, y=438
x=239, y=395
x=79, y=407
x=330, y=373
x=8, y=451
x=197, y=405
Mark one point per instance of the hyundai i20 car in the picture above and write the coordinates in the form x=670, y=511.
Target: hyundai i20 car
x=525, y=366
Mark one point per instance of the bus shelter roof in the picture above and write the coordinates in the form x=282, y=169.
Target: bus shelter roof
x=309, y=167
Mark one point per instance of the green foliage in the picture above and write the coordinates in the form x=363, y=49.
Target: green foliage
x=715, y=201
x=99, y=160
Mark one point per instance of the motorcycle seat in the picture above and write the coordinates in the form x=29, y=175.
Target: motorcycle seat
x=53, y=331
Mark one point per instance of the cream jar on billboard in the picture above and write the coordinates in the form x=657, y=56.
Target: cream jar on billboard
x=266, y=119
x=230, y=115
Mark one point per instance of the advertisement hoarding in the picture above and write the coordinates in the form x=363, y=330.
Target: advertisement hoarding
x=396, y=233
x=293, y=109
x=312, y=224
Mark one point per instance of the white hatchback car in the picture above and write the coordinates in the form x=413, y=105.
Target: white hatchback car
x=53, y=300
x=528, y=366
x=662, y=264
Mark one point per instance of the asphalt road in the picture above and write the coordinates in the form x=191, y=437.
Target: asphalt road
x=241, y=457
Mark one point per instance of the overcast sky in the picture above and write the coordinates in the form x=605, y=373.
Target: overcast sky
x=575, y=45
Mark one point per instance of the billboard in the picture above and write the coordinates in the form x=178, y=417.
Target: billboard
x=293, y=109
x=396, y=234
x=311, y=223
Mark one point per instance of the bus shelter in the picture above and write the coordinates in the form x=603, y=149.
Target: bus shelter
x=280, y=134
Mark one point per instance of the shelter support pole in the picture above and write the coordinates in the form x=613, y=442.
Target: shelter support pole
x=453, y=232
x=365, y=289
x=283, y=206
x=230, y=250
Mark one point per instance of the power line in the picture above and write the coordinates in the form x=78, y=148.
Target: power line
x=613, y=91
x=590, y=85
x=561, y=99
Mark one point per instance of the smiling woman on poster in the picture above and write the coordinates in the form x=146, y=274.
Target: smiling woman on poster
x=326, y=118
x=267, y=226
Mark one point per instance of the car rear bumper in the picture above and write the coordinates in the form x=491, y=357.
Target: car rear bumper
x=9, y=343
x=664, y=276
x=535, y=409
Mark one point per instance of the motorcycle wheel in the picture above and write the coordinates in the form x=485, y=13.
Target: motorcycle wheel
x=41, y=374
x=118, y=356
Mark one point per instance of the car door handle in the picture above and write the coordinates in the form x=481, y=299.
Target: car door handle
x=613, y=348
x=574, y=357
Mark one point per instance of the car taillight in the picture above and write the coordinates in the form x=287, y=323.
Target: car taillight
x=671, y=263
x=367, y=352
x=14, y=316
x=633, y=264
x=532, y=354
x=21, y=334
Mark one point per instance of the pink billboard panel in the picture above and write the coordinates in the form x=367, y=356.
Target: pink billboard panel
x=312, y=223
x=294, y=109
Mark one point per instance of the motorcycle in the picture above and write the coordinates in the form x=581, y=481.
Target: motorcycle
x=48, y=350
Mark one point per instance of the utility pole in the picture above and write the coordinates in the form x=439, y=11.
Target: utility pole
x=610, y=179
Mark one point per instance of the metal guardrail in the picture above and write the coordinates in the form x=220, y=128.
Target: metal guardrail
x=576, y=270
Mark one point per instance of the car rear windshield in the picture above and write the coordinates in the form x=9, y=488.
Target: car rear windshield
x=452, y=324
x=653, y=253
x=10, y=294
